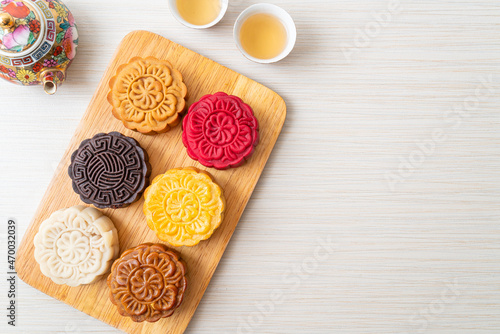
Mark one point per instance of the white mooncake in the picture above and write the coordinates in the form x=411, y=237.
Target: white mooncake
x=76, y=246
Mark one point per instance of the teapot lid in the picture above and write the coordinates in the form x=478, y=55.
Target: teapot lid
x=22, y=25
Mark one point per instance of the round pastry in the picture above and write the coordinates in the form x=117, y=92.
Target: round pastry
x=220, y=131
x=147, y=282
x=147, y=95
x=109, y=170
x=76, y=245
x=184, y=206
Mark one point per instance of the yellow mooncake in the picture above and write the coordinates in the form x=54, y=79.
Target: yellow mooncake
x=184, y=206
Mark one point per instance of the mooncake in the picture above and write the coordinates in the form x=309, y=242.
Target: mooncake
x=220, y=131
x=184, y=206
x=147, y=282
x=147, y=95
x=109, y=170
x=76, y=245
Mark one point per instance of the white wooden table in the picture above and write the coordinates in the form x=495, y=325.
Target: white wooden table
x=390, y=157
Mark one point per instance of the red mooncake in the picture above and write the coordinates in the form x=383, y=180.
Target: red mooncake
x=220, y=131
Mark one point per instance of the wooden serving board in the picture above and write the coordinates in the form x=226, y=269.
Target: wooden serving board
x=202, y=76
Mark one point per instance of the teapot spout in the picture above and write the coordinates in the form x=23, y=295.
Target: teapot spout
x=50, y=87
x=50, y=80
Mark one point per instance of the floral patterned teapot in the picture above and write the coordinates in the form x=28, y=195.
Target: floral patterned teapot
x=38, y=41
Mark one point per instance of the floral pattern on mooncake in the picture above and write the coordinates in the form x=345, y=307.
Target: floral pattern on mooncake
x=184, y=206
x=220, y=131
x=147, y=282
x=147, y=95
x=76, y=245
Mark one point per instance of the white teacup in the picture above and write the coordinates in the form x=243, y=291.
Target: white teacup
x=175, y=12
x=278, y=12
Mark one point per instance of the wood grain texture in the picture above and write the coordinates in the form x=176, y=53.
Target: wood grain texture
x=348, y=124
x=166, y=151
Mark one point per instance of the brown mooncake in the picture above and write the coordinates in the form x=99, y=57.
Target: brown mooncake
x=147, y=95
x=147, y=282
